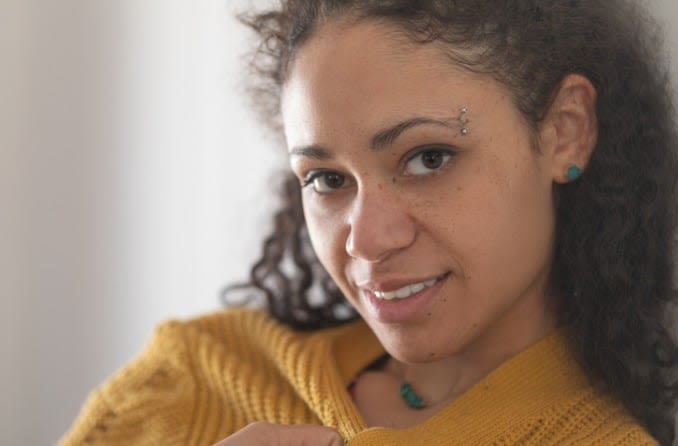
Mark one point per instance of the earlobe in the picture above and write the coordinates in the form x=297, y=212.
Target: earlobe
x=570, y=130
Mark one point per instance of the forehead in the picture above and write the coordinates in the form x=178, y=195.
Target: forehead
x=366, y=58
x=355, y=77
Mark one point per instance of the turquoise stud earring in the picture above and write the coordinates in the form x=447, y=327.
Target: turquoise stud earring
x=573, y=172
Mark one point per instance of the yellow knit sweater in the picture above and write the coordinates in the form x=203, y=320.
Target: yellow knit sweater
x=199, y=381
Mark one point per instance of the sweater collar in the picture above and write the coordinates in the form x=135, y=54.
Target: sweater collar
x=538, y=377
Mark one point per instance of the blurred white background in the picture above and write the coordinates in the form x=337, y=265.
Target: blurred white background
x=134, y=183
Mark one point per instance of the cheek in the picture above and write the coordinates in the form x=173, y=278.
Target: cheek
x=516, y=221
x=327, y=238
x=492, y=214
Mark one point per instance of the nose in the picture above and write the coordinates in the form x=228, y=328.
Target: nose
x=379, y=226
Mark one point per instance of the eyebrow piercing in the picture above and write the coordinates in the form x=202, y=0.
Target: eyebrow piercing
x=464, y=120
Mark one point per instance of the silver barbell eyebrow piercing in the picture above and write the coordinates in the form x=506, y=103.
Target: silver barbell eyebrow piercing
x=464, y=120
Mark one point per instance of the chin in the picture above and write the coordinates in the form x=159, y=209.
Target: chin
x=418, y=347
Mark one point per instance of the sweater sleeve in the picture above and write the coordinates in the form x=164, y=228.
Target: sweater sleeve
x=146, y=403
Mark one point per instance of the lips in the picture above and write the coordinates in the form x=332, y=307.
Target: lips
x=406, y=291
x=400, y=301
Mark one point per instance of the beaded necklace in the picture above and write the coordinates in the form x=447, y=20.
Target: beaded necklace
x=411, y=398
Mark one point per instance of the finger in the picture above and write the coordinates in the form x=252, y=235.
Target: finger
x=267, y=434
x=311, y=435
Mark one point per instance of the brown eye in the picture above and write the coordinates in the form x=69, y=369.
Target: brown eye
x=325, y=182
x=334, y=180
x=432, y=159
x=428, y=160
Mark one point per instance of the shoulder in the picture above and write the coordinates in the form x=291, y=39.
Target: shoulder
x=196, y=349
x=590, y=417
x=176, y=344
x=154, y=398
x=240, y=332
x=543, y=396
x=222, y=327
x=225, y=324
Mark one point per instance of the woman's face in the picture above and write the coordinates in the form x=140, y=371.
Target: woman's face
x=424, y=196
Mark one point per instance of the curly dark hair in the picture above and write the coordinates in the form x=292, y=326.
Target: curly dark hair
x=613, y=263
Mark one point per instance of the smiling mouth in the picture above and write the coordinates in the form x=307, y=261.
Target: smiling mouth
x=407, y=290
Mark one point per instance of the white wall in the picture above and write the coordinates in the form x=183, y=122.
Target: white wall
x=132, y=187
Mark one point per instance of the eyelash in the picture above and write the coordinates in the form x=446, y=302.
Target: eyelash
x=314, y=175
x=446, y=152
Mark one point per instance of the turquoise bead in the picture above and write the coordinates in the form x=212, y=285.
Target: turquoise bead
x=410, y=396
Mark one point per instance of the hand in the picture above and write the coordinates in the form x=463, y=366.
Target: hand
x=267, y=434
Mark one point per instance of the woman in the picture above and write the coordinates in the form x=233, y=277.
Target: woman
x=490, y=185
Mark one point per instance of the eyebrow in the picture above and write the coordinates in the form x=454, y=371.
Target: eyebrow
x=383, y=138
x=386, y=137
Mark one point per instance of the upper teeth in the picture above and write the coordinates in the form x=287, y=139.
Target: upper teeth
x=406, y=291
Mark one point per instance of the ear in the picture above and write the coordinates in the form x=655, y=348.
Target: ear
x=569, y=131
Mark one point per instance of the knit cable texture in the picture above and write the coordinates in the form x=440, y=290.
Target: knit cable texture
x=199, y=381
